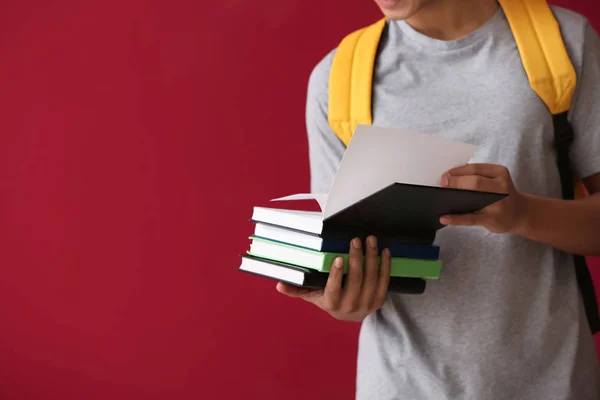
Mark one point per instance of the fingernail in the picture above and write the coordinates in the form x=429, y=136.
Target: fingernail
x=356, y=243
x=372, y=242
x=444, y=181
x=445, y=220
x=338, y=263
x=386, y=253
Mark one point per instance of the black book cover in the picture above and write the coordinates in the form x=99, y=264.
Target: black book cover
x=405, y=212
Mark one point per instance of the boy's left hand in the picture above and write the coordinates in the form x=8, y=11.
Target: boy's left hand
x=501, y=217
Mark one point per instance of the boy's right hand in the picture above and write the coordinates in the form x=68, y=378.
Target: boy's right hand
x=365, y=288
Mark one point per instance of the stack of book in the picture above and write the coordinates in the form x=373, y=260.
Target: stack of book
x=299, y=247
x=398, y=200
x=287, y=245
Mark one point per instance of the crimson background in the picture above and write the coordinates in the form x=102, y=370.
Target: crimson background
x=135, y=137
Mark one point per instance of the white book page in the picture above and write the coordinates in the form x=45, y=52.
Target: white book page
x=321, y=199
x=378, y=157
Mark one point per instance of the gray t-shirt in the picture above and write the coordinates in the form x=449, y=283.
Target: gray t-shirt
x=505, y=320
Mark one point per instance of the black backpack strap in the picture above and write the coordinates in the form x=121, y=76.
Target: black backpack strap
x=563, y=138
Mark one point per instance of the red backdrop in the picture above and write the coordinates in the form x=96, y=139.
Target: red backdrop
x=135, y=138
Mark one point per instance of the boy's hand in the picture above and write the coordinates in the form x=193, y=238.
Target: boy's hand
x=502, y=217
x=364, y=290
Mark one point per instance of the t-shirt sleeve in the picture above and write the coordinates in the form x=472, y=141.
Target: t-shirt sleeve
x=325, y=148
x=585, y=117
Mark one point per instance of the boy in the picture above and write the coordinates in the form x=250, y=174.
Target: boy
x=506, y=321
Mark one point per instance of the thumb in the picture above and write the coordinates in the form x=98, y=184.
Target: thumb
x=463, y=220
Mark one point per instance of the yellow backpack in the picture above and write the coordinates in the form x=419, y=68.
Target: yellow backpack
x=545, y=60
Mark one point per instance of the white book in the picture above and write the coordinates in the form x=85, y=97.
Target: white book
x=292, y=237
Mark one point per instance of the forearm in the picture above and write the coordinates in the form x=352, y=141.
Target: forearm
x=572, y=226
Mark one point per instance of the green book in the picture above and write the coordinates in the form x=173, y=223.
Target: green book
x=322, y=261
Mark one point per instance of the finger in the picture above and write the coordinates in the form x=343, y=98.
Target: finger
x=297, y=292
x=332, y=293
x=474, y=182
x=371, y=273
x=354, y=279
x=463, y=220
x=383, y=280
x=486, y=170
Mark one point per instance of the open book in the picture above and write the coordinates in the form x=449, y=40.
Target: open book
x=387, y=184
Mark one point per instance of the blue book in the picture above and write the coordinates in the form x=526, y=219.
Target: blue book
x=331, y=245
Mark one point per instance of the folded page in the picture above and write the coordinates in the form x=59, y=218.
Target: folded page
x=321, y=199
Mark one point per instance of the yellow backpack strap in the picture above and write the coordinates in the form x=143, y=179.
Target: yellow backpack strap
x=543, y=53
x=552, y=76
x=351, y=80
